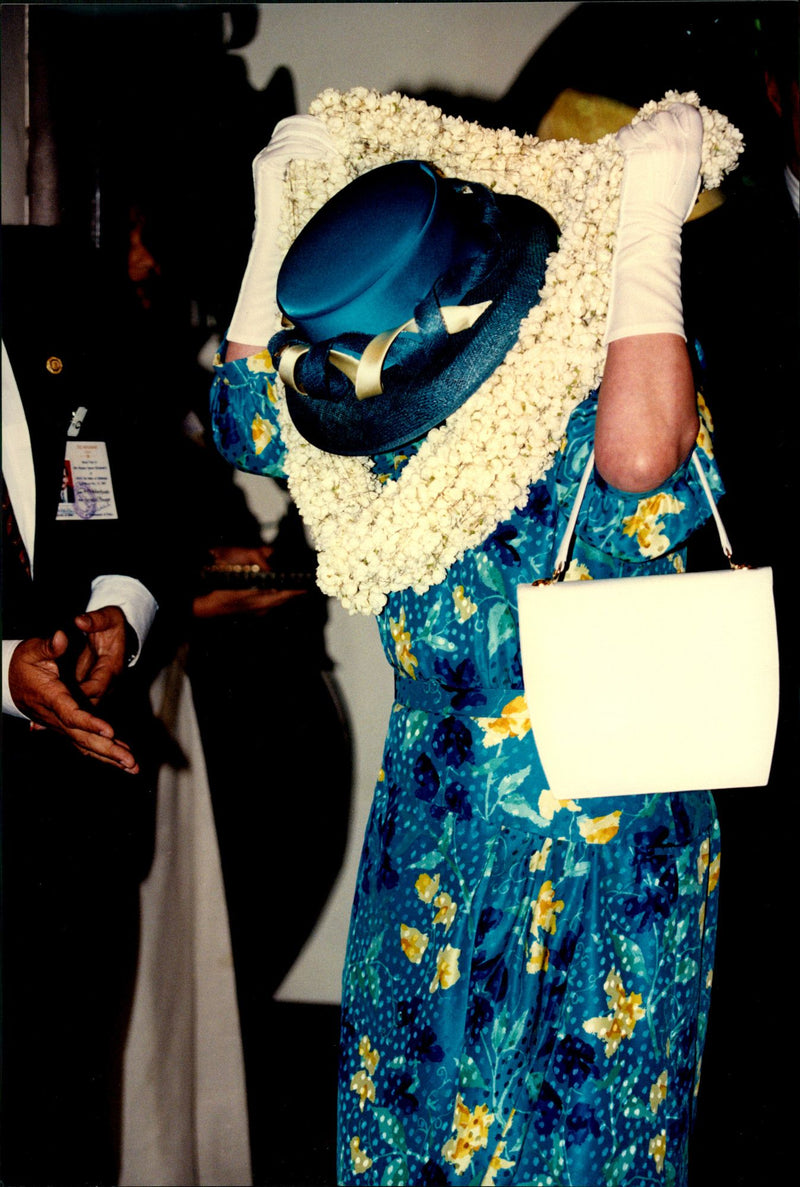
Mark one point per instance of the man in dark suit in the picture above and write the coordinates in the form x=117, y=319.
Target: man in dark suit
x=79, y=743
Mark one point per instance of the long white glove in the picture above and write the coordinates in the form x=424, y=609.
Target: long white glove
x=299, y=136
x=659, y=188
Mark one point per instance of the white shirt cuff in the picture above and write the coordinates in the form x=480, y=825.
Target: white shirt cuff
x=134, y=600
x=9, y=646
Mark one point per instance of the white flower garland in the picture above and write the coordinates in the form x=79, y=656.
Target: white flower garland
x=469, y=474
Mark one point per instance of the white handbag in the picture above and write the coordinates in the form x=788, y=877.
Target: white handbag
x=651, y=684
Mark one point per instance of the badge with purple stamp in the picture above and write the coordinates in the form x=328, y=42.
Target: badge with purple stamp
x=87, y=491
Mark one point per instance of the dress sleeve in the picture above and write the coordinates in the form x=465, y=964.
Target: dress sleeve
x=244, y=414
x=629, y=528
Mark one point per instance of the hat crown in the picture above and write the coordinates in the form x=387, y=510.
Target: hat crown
x=365, y=261
x=403, y=294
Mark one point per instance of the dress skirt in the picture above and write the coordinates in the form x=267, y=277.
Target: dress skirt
x=524, y=1000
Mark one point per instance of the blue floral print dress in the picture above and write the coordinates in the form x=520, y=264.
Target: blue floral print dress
x=527, y=980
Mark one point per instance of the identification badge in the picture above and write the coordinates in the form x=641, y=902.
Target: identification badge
x=87, y=491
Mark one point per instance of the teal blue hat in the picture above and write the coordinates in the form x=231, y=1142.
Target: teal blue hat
x=401, y=296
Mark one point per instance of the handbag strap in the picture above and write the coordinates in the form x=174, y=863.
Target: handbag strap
x=562, y=556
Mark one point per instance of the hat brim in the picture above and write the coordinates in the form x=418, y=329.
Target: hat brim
x=412, y=404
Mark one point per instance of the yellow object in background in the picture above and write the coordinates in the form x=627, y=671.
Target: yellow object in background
x=582, y=116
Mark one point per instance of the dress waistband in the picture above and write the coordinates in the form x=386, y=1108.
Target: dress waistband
x=453, y=702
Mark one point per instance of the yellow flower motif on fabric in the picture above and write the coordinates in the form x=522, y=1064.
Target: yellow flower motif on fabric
x=549, y=805
x=703, y=858
x=626, y=1012
x=514, y=722
x=677, y=563
x=427, y=887
x=538, y=958
x=402, y=645
x=370, y=1058
x=261, y=432
x=359, y=1158
x=577, y=571
x=545, y=910
x=705, y=411
x=600, y=829
x=413, y=943
x=646, y=525
x=658, y=1092
x=259, y=363
x=447, y=970
x=705, y=865
x=658, y=1149
x=704, y=439
x=472, y=1134
x=464, y=605
x=497, y=1162
x=363, y=1085
x=539, y=857
x=713, y=874
x=706, y=427
x=446, y=912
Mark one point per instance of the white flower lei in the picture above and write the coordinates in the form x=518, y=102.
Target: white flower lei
x=470, y=473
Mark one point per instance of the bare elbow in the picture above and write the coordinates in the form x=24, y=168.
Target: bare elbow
x=646, y=465
x=633, y=474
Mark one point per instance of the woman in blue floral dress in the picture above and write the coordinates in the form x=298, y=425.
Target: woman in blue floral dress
x=526, y=983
